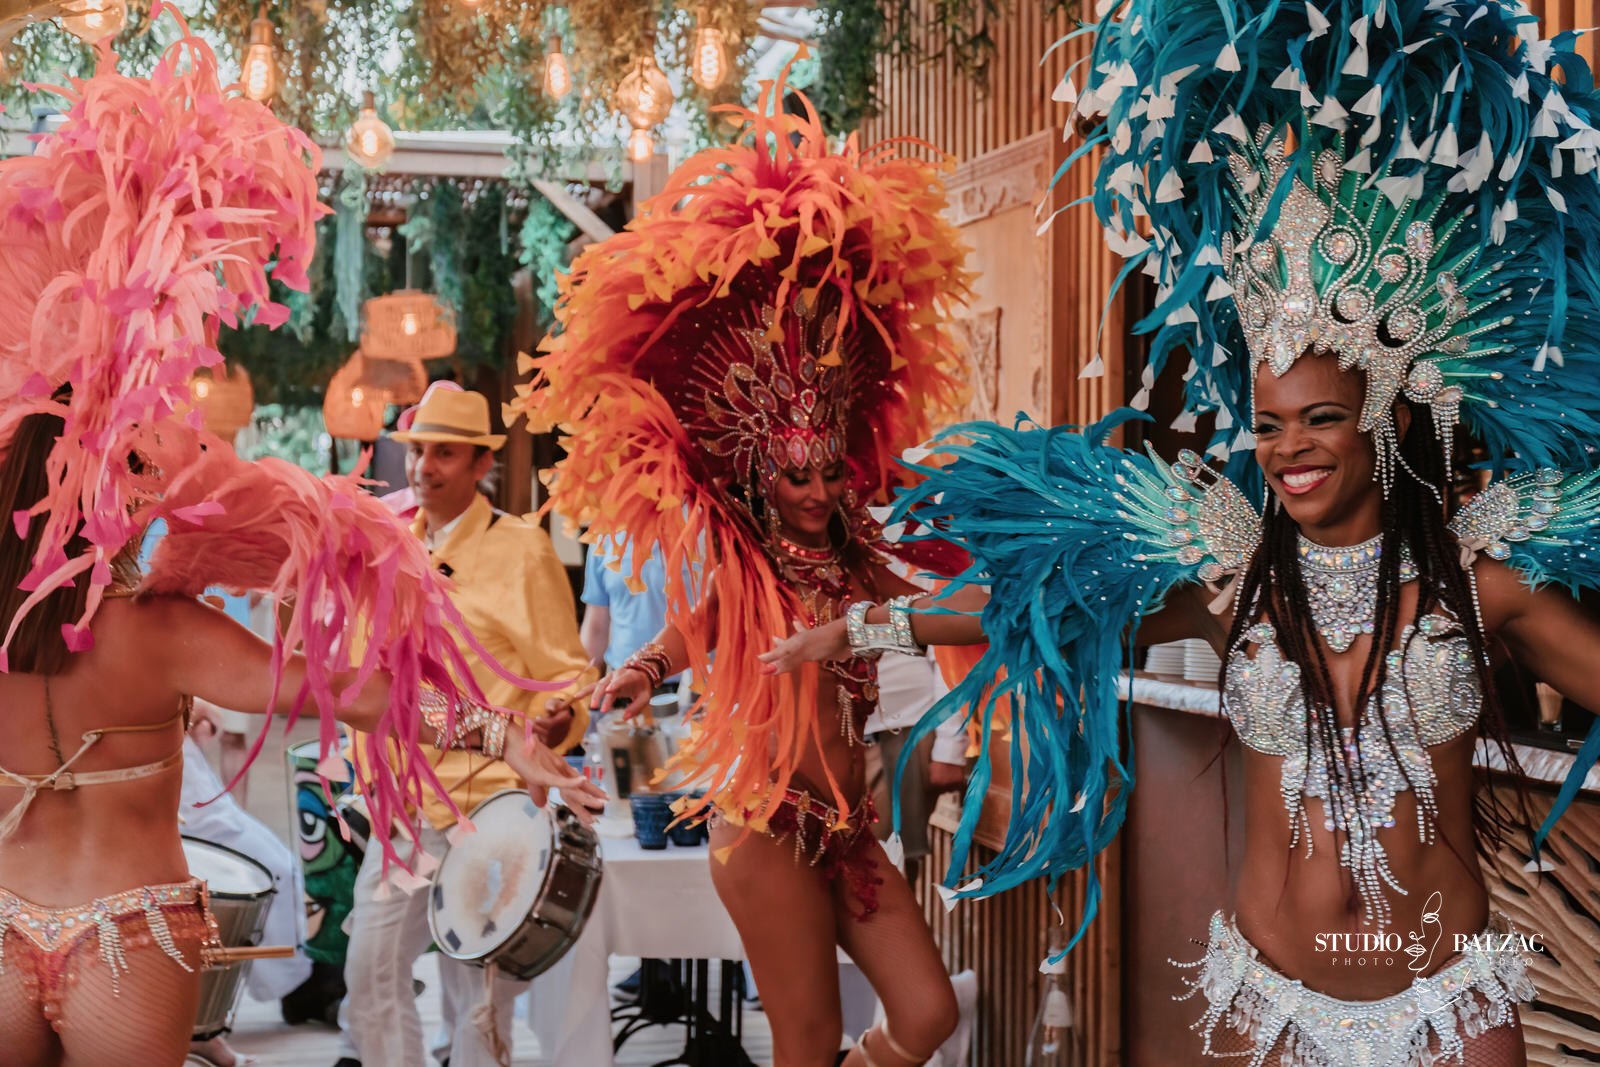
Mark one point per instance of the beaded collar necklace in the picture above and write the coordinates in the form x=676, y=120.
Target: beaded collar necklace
x=818, y=576
x=1342, y=585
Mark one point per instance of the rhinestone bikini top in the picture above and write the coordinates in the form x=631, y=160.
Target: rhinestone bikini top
x=1430, y=696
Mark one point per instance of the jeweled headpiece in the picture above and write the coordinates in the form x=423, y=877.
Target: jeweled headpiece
x=1353, y=267
x=783, y=403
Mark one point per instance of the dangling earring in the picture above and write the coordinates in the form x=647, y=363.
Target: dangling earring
x=770, y=512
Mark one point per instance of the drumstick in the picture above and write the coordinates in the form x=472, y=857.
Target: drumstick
x=231, y=954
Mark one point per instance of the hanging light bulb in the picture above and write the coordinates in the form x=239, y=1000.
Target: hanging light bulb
x=92, y=21
x=641, y=146
x=708, y=64
x=645, y=96
x=557, y=74
x=369, y=140
x=200, y=388
x=260, y=71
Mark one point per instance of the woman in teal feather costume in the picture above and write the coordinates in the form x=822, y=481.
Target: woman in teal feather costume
x=1371, y=225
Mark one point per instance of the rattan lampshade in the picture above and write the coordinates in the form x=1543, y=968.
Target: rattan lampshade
x=225, y=399
x=398, y=381
x=409, y=324
x=349, y=409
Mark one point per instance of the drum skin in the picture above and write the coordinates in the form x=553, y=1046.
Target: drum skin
x=241, y=890
x=527, y=943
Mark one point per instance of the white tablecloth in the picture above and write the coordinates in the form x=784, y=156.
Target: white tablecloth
x=658, y=904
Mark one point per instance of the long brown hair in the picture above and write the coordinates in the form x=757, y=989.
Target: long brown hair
x=38, y=647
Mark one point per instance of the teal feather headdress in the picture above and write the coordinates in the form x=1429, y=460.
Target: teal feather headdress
x=1455, y=112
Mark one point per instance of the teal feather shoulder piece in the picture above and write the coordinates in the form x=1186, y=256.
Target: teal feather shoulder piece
x=1545, y=525
x=1076, y=540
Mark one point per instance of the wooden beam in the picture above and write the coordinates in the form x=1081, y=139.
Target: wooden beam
x=576, y=210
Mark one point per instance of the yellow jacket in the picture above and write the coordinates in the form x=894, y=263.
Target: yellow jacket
x=514, y=595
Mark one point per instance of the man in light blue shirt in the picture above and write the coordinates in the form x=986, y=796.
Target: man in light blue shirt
x=616, y=620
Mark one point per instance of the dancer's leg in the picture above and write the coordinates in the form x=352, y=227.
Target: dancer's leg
x=894, y=948
x=149, y=1018
x=24, y=1031
x=784, y=914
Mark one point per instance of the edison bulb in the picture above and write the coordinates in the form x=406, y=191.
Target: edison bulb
x=369, y=140
x=92, y=21
x=260, y=71
x=709, y=66
x=557, y=72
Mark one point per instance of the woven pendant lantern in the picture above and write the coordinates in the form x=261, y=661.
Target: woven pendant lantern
x=409, y=324
x=398, y=381
x=349, y=409
x=225, y=399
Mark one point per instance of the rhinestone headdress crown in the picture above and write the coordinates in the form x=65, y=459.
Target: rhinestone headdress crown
x=781, y=405
x=1351, y=265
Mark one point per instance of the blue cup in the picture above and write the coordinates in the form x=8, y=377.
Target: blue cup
x=651, y=814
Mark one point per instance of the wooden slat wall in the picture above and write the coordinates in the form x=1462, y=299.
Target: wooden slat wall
x=1003, y=939
x=1559, y=16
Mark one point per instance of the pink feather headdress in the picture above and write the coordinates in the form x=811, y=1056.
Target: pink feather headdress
x=146, y=220
x=152, y=215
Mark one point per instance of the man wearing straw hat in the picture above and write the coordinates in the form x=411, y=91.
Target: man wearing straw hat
x=513, y=592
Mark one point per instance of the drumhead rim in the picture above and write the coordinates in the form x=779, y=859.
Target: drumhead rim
x=223, y=894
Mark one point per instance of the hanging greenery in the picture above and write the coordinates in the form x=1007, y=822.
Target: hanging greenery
x=350, y=252
x=546, y=232
x=488, y=302
x=854, y=34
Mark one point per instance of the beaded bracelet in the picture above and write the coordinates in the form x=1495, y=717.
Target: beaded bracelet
x=652, y=661
x=470, y=718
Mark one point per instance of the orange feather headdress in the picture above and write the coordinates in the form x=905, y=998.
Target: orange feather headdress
x=778, y=305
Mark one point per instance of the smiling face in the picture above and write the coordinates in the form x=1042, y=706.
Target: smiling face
x=1322, y=469
x=806, y=500
x=444, y=475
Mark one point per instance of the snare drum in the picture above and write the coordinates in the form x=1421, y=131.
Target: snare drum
x=240, y=891
x=518, y=891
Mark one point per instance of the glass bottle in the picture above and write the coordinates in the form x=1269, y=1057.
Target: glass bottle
x=1050, y=1044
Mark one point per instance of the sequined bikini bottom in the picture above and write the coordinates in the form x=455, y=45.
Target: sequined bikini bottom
x=1475, y=991
x=43, y=943
x=849, y=852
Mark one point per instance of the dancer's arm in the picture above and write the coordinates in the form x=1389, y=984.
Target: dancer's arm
x=665, y=655
x=207, y=654
x=1545, y=629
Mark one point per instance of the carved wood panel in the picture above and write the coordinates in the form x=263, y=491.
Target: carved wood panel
x=1561, y=905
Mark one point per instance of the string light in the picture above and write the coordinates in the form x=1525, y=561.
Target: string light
x=708, y=65
x=92, y=21
x=369, y=141
x=260, y=70
x=557, y=74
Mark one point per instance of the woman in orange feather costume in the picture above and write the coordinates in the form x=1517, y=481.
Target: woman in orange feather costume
x=735, y=375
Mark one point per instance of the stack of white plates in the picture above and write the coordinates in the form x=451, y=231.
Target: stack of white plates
x=1167, y=660
x=1200, y=662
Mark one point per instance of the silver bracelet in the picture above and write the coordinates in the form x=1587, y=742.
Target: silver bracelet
x=868, y=640
x=865, y=638
x=900, y=620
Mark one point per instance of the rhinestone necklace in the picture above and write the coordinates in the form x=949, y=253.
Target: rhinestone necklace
x=1342, y=585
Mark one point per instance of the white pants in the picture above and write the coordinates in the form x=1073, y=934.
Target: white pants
x=224, y=822
x=386, y=937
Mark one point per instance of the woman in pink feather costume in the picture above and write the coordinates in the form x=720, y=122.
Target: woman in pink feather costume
x=145, y=221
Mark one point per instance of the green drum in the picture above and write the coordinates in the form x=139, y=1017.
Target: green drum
x=329, y=861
